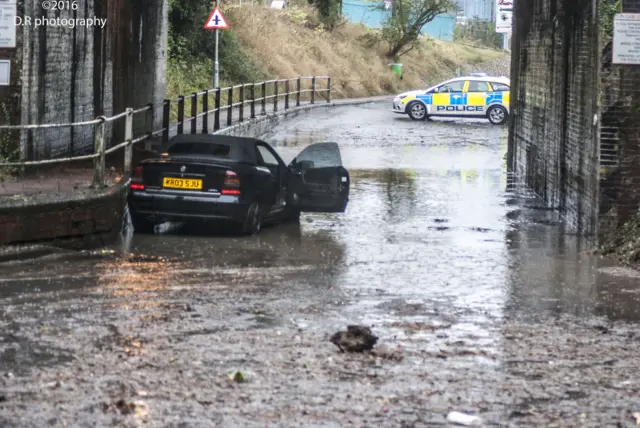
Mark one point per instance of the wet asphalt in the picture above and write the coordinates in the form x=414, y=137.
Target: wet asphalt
x=481, y=304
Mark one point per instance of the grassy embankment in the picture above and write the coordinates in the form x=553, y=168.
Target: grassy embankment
x=292, y=42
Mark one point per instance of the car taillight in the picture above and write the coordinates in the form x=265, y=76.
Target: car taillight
x=231, y=185
x=136, y=179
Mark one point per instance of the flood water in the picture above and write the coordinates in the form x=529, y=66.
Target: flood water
x=481, y=303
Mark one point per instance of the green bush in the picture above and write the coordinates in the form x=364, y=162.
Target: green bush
x=478, y=33
x=192, y=50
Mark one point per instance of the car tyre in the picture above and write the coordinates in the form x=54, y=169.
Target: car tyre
x=497, y=115
x=142, y=225
x=293, y=215
x=417, y=110
x=253, y=222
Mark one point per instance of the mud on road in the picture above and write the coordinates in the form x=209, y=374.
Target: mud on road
x=480, y=302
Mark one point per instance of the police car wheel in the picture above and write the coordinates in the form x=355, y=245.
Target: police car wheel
x=417, y=111
x=497, y=115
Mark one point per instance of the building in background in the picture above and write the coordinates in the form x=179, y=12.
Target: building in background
x=483, y=10
x=373, y=14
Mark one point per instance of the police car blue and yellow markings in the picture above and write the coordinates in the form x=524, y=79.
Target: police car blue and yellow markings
x=469, y=102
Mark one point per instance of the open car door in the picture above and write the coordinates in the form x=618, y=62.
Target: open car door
x=317, y=181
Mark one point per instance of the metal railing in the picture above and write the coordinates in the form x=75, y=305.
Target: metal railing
x=230, y=104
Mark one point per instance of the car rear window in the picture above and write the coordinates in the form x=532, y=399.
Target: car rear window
x=499, y=87
x=207, y=149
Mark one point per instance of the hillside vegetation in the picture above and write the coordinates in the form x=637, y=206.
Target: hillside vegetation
x=271, y=43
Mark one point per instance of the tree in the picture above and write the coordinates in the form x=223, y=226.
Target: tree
x=404, y=26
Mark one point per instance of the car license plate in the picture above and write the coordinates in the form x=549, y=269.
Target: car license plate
x=182, y=183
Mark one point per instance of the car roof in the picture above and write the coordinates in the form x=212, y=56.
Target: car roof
x=498, y=79
x=241, y=148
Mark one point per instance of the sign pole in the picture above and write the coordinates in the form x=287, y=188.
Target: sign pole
x=216, y=64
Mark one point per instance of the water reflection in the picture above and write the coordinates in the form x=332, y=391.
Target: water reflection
x=553, y=274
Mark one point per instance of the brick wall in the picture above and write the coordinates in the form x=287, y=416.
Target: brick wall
x=76, y=74
x=620, y=139
x=553, y=143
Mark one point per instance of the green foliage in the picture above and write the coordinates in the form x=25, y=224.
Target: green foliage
x=330, y=12
x=402, y=29
x=9, y=142
x=192, y=48
x=607, y=10
x=478, y=33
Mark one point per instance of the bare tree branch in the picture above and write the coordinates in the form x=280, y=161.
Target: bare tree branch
x=404, y=28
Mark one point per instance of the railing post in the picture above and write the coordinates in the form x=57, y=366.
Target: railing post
x=128, y=137
x=230, y=108
x=313, y=89
x=241, y=106
x=205, y=110
x=286, y=94
x=329, y=89
x=298, y=90
x=149, y=117
x=276, y=90
x=99, y=147
x=194, y=112
x=253, y=101
x=166, y=116
x=216, y=114
x=264, y=97
x=180, y=114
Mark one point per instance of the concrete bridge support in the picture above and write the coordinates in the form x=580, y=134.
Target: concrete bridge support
x=75, y=74
x=574, y=130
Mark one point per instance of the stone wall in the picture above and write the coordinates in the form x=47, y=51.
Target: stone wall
x=76, y=74
x=82, y=223
x=553, y=143
x=620, y=139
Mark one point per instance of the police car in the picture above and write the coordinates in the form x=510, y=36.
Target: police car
x=474, y=96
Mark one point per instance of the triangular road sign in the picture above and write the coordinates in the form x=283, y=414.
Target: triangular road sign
x=216, y=21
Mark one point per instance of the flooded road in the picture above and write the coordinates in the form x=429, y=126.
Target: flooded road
x=481, y=305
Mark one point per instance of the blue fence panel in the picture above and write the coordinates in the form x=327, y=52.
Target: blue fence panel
x=367, y=13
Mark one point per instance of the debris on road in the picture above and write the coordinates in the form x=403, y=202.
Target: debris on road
x=459, y=418
x=357, y=338
x=236, y=376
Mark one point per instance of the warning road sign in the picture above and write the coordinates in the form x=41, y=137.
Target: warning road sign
x=216, y=21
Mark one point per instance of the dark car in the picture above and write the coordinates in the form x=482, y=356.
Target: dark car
x=237, y=179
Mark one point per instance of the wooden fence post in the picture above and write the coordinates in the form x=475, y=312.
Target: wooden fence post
x=313, y=89
x=253, y=101
x=286, y=94
x=241, y=106
x=128, y=137
x=216, y=114
x=298, y=89
x=264, y=97
x=276, y=90
x=230, y=108
x=329, y=89
x=205, y=110
x=181, y=114
x=194, y=112
x=99, y=147
x=166, y=116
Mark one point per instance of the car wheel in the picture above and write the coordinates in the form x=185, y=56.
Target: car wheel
x=253, y=222
x=416, y=110
x=141, y=224
x=293, y=215
x=497, y=115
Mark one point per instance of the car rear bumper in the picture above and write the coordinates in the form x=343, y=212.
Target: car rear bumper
x=161, y=207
